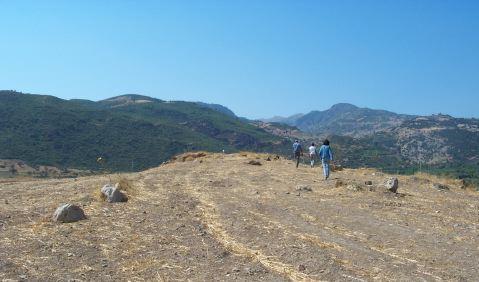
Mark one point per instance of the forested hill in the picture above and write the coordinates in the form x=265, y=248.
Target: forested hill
x=131, y=132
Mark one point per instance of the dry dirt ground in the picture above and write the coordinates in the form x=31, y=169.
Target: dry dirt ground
x=218, y=218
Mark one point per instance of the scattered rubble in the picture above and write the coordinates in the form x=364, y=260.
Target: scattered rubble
x=440, y=187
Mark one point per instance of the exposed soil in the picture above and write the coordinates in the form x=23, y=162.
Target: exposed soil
x=216, y=217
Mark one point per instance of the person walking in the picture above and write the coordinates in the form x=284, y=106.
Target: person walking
x=326, y=156
x=298, y=151
x=312, y=154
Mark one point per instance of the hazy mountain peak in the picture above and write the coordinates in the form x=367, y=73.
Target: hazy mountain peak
x=128, y=99
x=344, y=107
x=290, y=120
x=348, y=119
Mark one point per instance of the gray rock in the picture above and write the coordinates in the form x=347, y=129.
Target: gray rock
x=68, y=213
x=440, y=187
x=304, y=188
x=354, y=187
x=112, y=194
x=392, y=184
x=369, y=183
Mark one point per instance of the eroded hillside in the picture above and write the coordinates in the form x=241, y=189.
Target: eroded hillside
x=219, y=218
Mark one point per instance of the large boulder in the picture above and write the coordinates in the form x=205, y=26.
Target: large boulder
x=112, y=194
x=392, y=184
x=68, y=213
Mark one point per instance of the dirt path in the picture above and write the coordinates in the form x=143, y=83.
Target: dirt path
x=219, y=218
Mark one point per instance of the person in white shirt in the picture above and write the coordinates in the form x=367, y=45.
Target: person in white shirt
x=312, y=154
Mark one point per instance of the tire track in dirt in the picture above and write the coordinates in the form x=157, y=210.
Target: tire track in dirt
x=213, y=221
x=366, y=250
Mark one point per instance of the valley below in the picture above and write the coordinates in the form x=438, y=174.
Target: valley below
x=218, y=217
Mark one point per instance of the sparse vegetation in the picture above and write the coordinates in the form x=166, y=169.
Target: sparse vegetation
x=223, y=219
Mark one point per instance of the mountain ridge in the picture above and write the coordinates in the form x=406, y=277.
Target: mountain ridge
x=343, y=119
x=129, y=132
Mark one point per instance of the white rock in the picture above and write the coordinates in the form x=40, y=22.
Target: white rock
x=392, y=184
x=68, y=213
x=113, y=194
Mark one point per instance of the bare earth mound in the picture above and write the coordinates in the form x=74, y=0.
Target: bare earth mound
x=216, y=217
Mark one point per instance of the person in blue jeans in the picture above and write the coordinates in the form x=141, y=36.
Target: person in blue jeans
x=297, y=151
x=326, y=156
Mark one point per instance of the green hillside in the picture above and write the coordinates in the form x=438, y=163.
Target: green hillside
x=130, y=131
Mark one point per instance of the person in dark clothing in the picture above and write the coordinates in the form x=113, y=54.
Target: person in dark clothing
x=298, y=151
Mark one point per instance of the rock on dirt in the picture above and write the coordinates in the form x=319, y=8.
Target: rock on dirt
x=336, y=168
x=252, y=162
x=368, y=183
x=304, y=188
x=392, y=184
x=354, y=187
x=68, y=213
x=339, y=183
x=440, y=187
x=189, y=156
x=112, y=194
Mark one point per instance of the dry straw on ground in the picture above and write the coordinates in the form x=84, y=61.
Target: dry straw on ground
x=214, y=217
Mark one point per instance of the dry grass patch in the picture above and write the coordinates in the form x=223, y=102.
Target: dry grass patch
x=190, y=156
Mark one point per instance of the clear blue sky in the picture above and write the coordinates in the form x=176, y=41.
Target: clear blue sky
x=259, y=58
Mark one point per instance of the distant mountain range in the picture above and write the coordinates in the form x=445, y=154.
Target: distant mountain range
x=376, y=138
x=131, y=132
x=134, y=132
x=291, y=120
x=344, y=119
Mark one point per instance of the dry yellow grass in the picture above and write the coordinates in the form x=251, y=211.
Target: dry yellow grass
x=214, y=217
